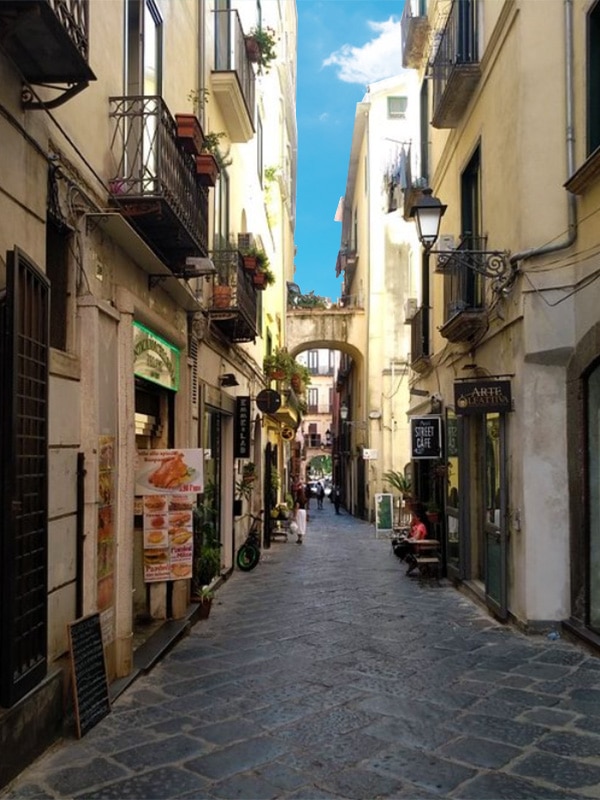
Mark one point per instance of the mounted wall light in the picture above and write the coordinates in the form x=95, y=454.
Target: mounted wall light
x=495, y=264
x=344, y=417
x=228, y=379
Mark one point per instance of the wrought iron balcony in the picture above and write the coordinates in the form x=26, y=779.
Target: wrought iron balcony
x=464, y=292
x=313, y=440
x=419, y=340
x=233, y=79
x=155, y=183
x=233, y=306
x=414, y=28
x=456, y=68
x=47, y=40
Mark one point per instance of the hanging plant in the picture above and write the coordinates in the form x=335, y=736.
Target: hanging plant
x=260, y=47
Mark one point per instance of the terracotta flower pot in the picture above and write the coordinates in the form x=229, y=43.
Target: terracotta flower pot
x=207, y=169
x=221, y=296
x=259, y=280
x=250, y=263
x=189, y=132
x=252, y=50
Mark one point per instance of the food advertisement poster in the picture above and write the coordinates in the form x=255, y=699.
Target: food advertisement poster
x=106, y=537
x=168, y=536
x=169, y=472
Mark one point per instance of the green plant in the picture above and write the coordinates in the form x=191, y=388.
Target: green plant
x=265, y=41
x=205, y=594
x=198, y=98
x=279, y=363
x=270, y=174
x=211, y=143
x=268, y=273
x=301, y=374
x=399, y=481
x=207, y=565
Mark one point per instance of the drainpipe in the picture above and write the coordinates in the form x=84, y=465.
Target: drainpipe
x=571, y=199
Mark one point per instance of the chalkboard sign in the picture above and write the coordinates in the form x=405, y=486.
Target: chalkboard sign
x=384, y=513
x=90, y=684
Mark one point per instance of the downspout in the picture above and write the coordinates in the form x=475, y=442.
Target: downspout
x=571, y=198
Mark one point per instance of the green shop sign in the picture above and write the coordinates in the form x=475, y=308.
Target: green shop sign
x=154, y=359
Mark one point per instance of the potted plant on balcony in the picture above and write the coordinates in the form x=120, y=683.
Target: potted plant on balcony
x=263, y=276
x=251, y=256
x=300, y=377
x=278, y=365
x=189, y=133
x=210, y=161
x=222, y=290
x=260, y=47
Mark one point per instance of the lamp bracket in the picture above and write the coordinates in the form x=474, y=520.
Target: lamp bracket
x=493, y=264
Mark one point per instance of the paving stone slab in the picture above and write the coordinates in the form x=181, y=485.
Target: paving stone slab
x=425, y=770
x=499, y=786
x=565, y=772
x=479, y=752
x=239, y=757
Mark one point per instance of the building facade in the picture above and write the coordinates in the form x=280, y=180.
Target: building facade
x=380, y=260
x=131, y=321
x=512, y=337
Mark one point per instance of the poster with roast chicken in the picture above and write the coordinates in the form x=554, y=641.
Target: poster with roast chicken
x=169, y=472
x=168, y=516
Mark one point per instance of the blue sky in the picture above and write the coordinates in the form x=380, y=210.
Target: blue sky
x=343, y=45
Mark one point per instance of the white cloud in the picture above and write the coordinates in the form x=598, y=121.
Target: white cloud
x=379, y=58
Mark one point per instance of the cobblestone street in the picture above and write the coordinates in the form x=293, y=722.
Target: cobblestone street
x=328, y=673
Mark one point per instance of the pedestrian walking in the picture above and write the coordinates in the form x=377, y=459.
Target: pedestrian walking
x=337, y=499
x=320, y=496
x=300, y=514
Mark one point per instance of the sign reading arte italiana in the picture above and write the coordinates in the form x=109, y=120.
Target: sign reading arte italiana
x=481, y=397
x=154, y=358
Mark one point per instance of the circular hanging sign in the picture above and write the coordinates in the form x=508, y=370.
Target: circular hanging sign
x=268, y=401
x=287, y=433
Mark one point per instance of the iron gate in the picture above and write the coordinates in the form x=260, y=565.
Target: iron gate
x=24, y=350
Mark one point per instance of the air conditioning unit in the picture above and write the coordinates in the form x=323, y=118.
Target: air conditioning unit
x=410, y=309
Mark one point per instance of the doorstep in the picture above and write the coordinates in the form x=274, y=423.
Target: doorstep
x=154, y=648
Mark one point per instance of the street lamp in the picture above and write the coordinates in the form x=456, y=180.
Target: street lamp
x=428, y=213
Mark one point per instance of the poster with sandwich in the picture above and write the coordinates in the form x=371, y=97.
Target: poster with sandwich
x=168, y=536
x=167, y=472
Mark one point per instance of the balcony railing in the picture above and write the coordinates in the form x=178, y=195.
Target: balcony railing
x=464, y=291
x=414, y=28
x=233, y=78
x=313, y=440
x=155, y=182
x=456, y=69
x=47, y=39
x=419, y=339
x=234, y=312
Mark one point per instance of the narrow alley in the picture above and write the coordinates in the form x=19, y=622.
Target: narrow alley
x=328, y=673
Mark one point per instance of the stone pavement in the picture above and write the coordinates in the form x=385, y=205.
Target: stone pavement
x=327, y=673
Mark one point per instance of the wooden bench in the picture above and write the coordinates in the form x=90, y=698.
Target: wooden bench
x=426, y=553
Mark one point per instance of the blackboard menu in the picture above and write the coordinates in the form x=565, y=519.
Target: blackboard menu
x=90, y=684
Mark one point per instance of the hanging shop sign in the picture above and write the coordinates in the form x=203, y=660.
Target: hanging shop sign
x=154, y=359
x=482, y=396
x=242, y=427
x=426, y=436
x=268, y=401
